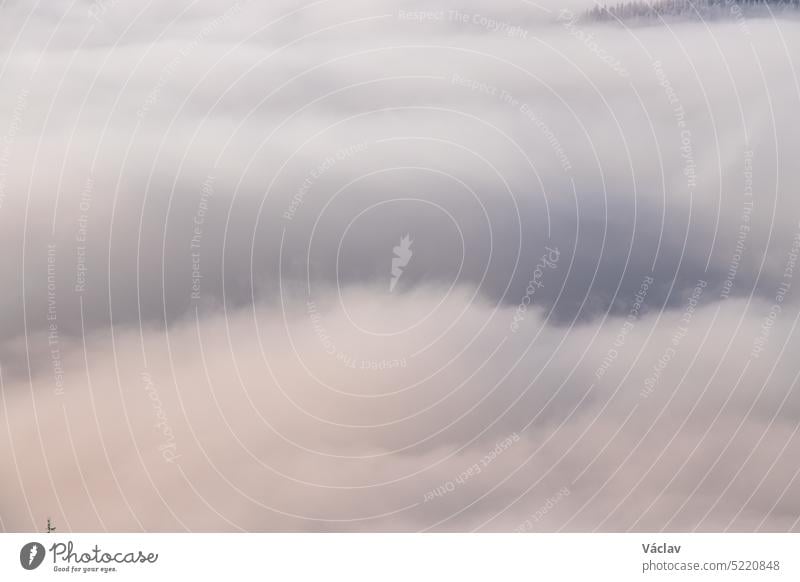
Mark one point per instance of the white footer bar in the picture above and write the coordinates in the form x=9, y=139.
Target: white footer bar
x=400, y=557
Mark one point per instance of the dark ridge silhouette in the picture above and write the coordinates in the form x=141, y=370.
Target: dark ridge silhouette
x=689, y=9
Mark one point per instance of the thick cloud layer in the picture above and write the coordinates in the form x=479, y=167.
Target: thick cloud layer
x=296, y=422
x=213, y=321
